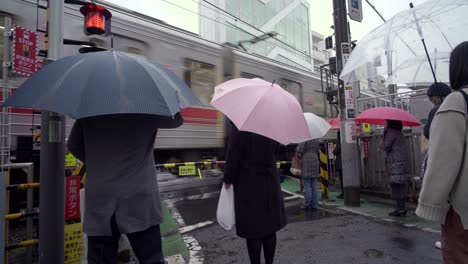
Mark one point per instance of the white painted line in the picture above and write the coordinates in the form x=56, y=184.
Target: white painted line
x=196, y=254
x=175, y=214
x=190, y=228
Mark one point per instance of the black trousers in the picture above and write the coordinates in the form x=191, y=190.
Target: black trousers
x=146, y=244
x=254, y=246
x=399, y=195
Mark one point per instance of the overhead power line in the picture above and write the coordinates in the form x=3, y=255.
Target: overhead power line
x=235, y=27
x=218, y=9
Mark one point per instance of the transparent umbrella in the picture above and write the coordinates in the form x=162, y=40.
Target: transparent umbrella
x=394, y=50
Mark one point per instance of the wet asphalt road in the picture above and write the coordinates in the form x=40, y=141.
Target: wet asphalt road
x=327, y=236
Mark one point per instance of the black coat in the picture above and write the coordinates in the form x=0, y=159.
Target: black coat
x=251, y=168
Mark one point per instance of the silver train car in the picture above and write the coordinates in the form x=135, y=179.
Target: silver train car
x=197, y=61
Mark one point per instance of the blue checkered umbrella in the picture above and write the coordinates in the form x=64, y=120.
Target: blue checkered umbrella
x=103, y=83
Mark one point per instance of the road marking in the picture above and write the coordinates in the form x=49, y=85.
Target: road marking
x=191, y=228
x=196, y=254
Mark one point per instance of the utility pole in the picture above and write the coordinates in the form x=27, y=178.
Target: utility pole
x=52, y=172
x=349, y=150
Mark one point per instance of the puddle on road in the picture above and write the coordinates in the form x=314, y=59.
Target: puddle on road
x=296, y=214
x=404, y=243
x=197, y=211
x=373, y=253
x=200, y=210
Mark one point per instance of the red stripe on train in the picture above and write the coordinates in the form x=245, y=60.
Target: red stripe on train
x=203, y=113
x=210, y=115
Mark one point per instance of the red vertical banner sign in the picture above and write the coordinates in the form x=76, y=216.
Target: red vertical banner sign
x=24, y=51
x=72, y=198
x=366, y=148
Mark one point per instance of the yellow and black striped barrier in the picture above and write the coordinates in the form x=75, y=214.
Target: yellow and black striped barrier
x=190, y=168
x=26, y=243
x=22, y=186
x=324, y=174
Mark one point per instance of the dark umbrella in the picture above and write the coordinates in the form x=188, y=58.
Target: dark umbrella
x=103, y=83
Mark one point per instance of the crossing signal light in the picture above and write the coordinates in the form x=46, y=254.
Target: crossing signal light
x=96, y=19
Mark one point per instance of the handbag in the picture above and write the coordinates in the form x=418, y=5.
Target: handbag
x=296, y=165
x=225, y=214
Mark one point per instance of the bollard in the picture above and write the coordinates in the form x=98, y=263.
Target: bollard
x=324, y=174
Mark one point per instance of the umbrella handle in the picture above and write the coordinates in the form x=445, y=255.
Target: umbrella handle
x=424, y=42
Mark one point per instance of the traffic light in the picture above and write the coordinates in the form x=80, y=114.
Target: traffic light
x=97, y=20
x=329, y=42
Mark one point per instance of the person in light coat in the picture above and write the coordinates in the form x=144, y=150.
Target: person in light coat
x=443, y=197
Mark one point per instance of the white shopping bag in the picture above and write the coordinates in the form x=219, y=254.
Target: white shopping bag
x=225, y=213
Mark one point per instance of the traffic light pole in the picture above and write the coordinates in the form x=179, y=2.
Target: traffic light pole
x=52, y=171
x=349, y=150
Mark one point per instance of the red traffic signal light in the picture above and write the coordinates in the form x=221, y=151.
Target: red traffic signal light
x=96, y=19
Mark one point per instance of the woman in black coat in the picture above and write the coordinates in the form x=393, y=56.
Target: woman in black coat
x=259, y=207
x=397, y=164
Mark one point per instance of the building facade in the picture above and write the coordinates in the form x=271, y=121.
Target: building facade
x=236, y=20
x=320, y=55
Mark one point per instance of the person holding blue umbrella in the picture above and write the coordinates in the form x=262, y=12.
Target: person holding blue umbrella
x=119, y=102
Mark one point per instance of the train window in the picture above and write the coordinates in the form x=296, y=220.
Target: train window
x=294, y=88
x=250, y=75
x=134, y=51
x=201, y=77
x=315, y=102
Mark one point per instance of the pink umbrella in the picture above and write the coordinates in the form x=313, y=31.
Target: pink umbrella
x=335, y=123
x=379, y=115
x=263, y=108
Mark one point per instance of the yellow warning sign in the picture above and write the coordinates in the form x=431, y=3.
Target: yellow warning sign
x=70, y=160
x=73, y=243
x=188, y=170
x=366, y=128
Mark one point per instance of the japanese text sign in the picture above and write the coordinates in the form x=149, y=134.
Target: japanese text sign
x=24, y=51
x=72, y=198
x=73, y=243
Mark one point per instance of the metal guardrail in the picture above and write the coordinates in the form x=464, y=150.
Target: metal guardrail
x=25, y=243
x=23, y=213
x=5, y=188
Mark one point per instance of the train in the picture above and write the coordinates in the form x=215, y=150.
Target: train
x=197, y=61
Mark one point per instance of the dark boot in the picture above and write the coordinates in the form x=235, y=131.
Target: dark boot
x=398, y=213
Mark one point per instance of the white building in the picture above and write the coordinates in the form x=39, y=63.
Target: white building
x=319, y=54
x=235, y=20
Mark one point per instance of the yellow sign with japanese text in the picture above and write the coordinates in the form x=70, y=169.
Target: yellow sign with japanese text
x=188, y=170
x=73, y=243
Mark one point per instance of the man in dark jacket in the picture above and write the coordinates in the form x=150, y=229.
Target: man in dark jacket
x=122, y=194
x=436, y=93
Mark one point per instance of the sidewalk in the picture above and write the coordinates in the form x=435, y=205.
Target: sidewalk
x=377, y=208
x=173, y=243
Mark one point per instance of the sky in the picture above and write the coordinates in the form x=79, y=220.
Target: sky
x=185, y=16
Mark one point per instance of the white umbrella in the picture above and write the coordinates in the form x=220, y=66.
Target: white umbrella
x=318, y=127
x=394, y=49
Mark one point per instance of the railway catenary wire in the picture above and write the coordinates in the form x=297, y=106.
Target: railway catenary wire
x=237, y=28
